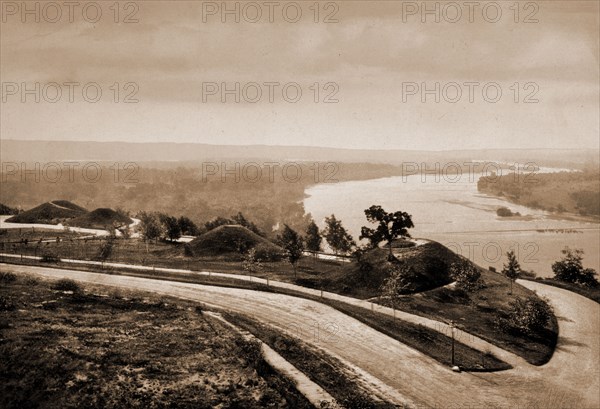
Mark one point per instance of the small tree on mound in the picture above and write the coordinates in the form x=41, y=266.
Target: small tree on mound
x=400, y=281
x=512, y=269
x=293, y=245
x=570, y=269
x=466, y=275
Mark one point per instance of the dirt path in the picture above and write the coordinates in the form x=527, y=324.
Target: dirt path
x=416, y=377
x=577, y=357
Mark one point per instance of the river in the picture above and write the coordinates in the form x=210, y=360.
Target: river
x=452, y=212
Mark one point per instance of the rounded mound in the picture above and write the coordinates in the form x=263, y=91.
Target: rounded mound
x=100, y=219
x=430, y=262
x=229, y=239
x=53, y=212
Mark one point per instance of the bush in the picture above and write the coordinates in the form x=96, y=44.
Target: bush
x=5, y=304
x=49, y=257
x=266, y=252
x=466, y=275
x=66, y=284
x=570, y=269
x=526, y=315
x=7, y=277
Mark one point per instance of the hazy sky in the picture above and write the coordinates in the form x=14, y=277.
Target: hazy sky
x=375, y=56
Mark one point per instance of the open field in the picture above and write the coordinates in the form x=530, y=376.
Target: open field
x=107, y=348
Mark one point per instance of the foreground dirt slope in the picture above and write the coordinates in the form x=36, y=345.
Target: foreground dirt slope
x=419, y=379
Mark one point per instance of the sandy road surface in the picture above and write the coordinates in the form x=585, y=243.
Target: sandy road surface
x=416, y=377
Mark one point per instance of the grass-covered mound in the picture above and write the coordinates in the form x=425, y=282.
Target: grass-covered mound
x=54, y=212
x=232, y=240
x=100, y=219
x=430, y=262
x=480, y=311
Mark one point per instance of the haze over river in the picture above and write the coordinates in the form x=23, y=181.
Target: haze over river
x=455, y=214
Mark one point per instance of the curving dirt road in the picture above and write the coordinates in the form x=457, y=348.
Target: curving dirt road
x=407, y=376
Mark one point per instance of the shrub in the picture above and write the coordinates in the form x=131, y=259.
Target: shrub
x=526, y=315
x=5, y=304
x=466, y=275
x=7, y=277
x=267, y=252
x=49, y=257
x=570, y=269
x=66, y=284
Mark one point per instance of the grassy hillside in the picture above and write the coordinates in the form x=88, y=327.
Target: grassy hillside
x=363, y=279
x=117, y=349
x=100, y=219
x=53, y=212
x=232, y=241
x=478, y=313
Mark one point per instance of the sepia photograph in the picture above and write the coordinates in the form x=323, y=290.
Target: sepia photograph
x=351, y=204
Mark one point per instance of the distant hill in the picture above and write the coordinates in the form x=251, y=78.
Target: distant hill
x=232, y=239
x=48, y=151
x=100, y=219
x=54, y=212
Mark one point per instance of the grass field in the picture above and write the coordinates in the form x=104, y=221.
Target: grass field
x=104, y=348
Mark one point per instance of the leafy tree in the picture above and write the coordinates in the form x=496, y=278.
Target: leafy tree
x=237, y=219
x=313, y=238
x=187, y=226
x=242, y=221
x=527, y=315
x=219, y=221
x=337, y=236
x=466, y=275
x=106, y=248
x=150, y=227
x=251, y=263
x=293, y=244
x=570, y=269
x=398, y=282
x=390, y=226
x=512, y=269
x=171, y=227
